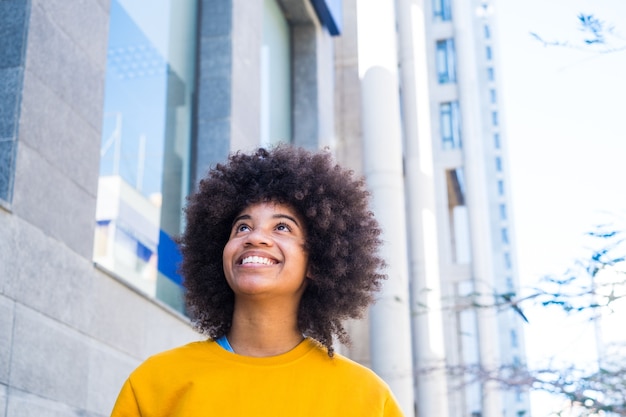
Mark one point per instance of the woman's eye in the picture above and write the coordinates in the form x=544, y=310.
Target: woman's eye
x=242, y=228
x=283, y=227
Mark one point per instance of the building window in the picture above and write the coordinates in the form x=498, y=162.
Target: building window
x=504, y=232
x=488, y=53
x=145, y=151
x=496, y=140
x=450, y=124
x=500, y=187
x=458, y=216
x=498, y=164
x=514, y=340
x=13, y=23
x=446, y=62
x=275, y=76
x=490, y=74
x=503, y=215
x=507, y=260
x=487, y=31
x=509, y=284
x=442, y=10
x=494, y=118
x=493, y=98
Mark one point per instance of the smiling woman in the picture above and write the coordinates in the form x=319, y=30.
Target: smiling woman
x=280, y=247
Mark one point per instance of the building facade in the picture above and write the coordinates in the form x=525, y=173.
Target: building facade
x=112, y=111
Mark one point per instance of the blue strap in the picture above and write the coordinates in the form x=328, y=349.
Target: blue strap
x=223, y=342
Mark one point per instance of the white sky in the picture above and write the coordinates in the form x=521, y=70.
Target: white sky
x=565, y=117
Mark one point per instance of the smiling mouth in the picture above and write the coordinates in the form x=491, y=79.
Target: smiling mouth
x=257, y=260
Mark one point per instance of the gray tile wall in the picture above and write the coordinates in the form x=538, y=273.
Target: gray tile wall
x=69, y=333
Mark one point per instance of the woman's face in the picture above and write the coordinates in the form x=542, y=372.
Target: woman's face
x=265, y=256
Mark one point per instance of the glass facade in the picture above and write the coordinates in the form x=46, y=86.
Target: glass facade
x=145, y=150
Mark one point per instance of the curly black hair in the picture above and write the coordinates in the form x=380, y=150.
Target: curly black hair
x=342, y=237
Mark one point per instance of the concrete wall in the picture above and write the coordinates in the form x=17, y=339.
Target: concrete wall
x=69, y=333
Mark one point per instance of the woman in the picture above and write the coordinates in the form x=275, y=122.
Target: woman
x=279, y=249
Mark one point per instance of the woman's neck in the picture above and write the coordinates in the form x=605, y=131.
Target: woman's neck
x=262, y=330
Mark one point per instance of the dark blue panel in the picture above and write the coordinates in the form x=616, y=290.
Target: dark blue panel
x=330, y=14
x=169, y=258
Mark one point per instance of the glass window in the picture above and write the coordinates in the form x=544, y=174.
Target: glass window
x=502, y=208
x=507, y=260
x=487, y=31
x=446, y=62
x=146, y=133
x=500, y=187
x=498, y=164
x=505, y=235
x=496, y=140
x=13, y=26
x=494, y=118
x=442, y=10
x=490, y=74
x=450, y=124
x=514, y=340
x=509, y=284
x=493, y=96
x=275, y=76
x=458, y=216
x=488, y=53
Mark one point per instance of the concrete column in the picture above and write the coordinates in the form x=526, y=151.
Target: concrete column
x=470, y=81
x=428, y=338
x=382, y=161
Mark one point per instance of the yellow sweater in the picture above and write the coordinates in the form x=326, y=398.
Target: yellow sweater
x=203, y=379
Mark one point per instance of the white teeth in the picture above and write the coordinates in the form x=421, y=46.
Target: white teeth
x=256, y=260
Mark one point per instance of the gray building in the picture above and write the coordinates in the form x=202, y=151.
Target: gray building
x=110, y=112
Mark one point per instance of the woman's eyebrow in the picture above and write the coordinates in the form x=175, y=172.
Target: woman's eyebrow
x=242, y=217
x=286, y=216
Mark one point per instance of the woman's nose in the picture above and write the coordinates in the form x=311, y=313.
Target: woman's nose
x=258, y=236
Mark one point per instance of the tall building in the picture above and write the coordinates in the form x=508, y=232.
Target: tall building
x=111, y=111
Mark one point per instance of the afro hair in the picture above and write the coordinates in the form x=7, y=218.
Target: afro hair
x=342, y=237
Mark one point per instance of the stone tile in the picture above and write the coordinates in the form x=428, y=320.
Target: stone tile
x=10, y=89
x=118, y=315
x=56, y=60
x=215, y=57
x=9, y=263
x=7, y=168
x=53, y=202
x=58, y=284
x=214, y=98
x=75, y=151
x=108, y=370
x=216, y=17
x=6, y=337
x=84, y=21
x=49, y=360
x=24, y=404
x=173, y=331
x=13, y=23
x=3, y=400
x=212, y=145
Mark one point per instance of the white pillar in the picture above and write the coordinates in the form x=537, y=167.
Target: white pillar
x=428, y=338
x=390, y=331
x=472, y=116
